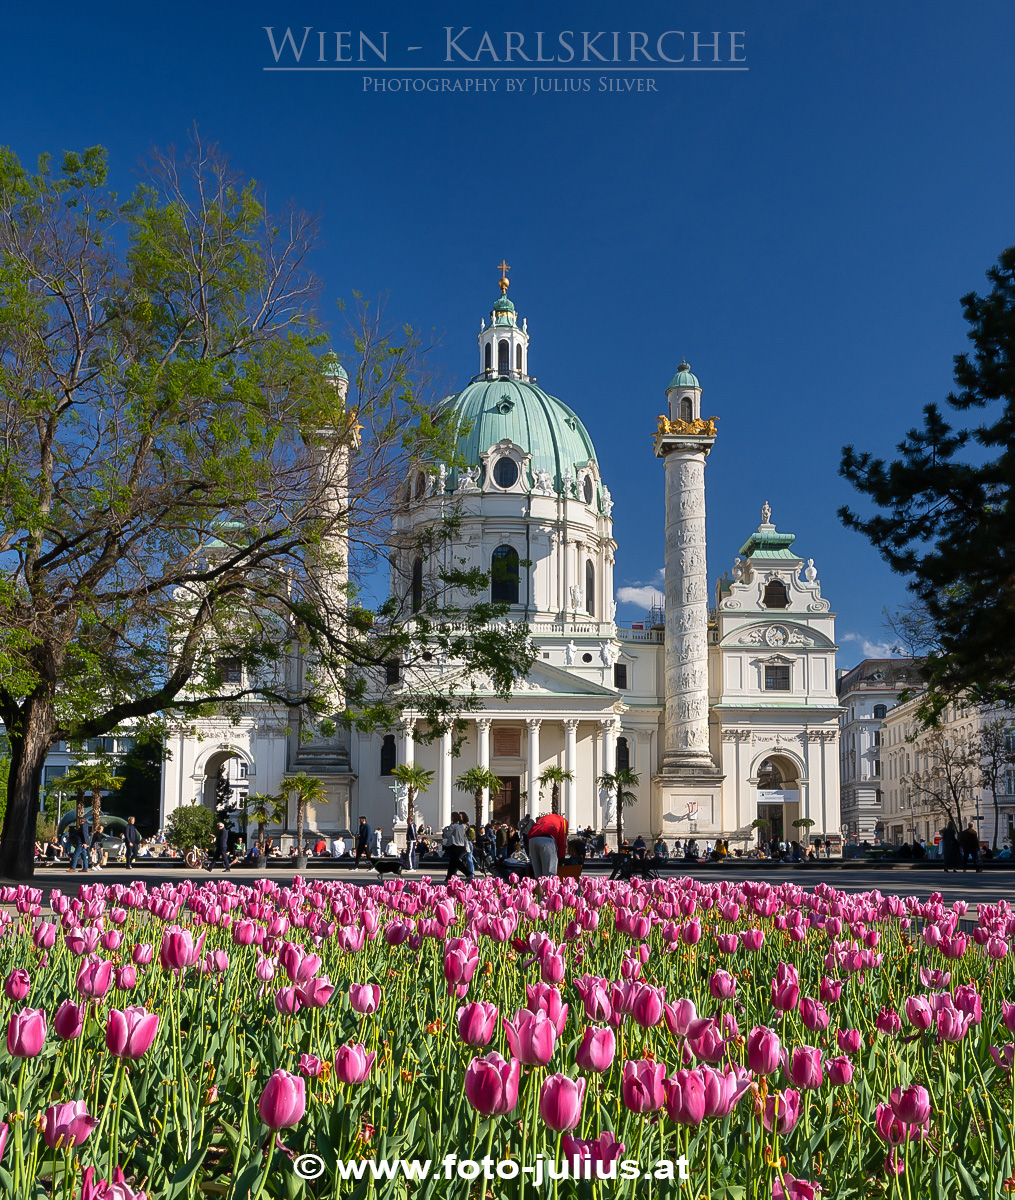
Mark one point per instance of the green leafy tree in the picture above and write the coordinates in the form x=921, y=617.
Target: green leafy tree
x=139, y=795
x=946, y=509
x=190, y=825
x=415, y=779
x=93, y=778
x=183, y=472
x=264, y=808
x=555, y=776
x=762, y=826
x=620, y=782
x=304, y=789
x=474, y=782
x=804, y=823
x=997, y=756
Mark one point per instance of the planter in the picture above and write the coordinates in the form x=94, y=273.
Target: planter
x=301, y=862
x=261, y=861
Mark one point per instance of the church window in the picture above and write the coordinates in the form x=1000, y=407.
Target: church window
x=589, y=489
x=880, y=712
x=504, y=575
x=776, y=678
x=775, y=595
x=620, y=676
x=505, y=472
x=590, y=588
x=518, y=357
x=488, y=356
x=503, y=357
x=623, y=755
x=420, y=485
x=392, y=672
x=417, y=585
x=388, y=754
x=686, y=409
x=231, y=670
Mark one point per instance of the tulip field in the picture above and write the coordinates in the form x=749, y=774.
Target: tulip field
x=726, y=1039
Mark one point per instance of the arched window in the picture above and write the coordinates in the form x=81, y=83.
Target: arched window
x=880, y=711
x=518, y=357
x=590, y=588
x=686, y=409
x=503, y=357
x=417, y=585
x=504, y=575
x=488, y=356
x=588, y=489
x=420, y=485
x=775, y=595
x=623, y=755
x=388, y=754
x=769, y=777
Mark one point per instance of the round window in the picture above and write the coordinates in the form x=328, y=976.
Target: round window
x=588, y=489
x=586, y=658
x=505, y=472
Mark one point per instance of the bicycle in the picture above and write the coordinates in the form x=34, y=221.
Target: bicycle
x=196, y=857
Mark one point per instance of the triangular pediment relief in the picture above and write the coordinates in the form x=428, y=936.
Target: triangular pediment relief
x=548, y=680
x=775, y=634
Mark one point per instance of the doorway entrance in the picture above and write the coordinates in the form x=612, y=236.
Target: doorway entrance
x=505, y=805
x=772, y=815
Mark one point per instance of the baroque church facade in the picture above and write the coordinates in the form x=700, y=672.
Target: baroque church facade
x=726, y=710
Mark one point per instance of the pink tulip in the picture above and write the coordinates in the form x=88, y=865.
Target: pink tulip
x=216, y=962
x=705, y=1040
x=952, y=1026
x=1005, y=1056
x=888, y=1021
x=752, y=939
x=935, y=979
x=791, y=1188
x=813, y=1014
x=111, y=940
x=179, y=950
x=288, y=1001
x=461, y=958
x=840, y=1071
x=785, y=988
x=69, y=1020
x=782, y=1111
x=44, y=937
x=477, y=1023
x=315, y=993
x=595, y=996
x=679, y=1015
x=560, y=1102
x=918, y=1012
x=997, y=948
x=117, y=1190
x=1008, y=1015
x=130, y=1033
x=763, y=1050
x=365, y=998
x=849, y=1040
x=545, y=997
x=727, y=943
x=690, y=934
x=595, y=1159
x=552, y=967
x=531, y=1037
x=353, y=1064
x=26, y=1033
x=890, y=1129
x=597, y=1050
x=17, y=985
x=67, y=1125
x=685, y=1097
x=830, y=990
x=265, y=970
x=723, y=1089
x=803, y=1067
x=125, y=978
x=967, y=1000
x=722, y=985
x=94, y=979
x=912, y=1104
x=283, y=1101
x=142, y=954
x=643, y=1085
x=310, y=1065
x=647, y=1009
x=491, y=1084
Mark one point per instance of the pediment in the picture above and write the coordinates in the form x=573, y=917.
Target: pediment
x=548, y=680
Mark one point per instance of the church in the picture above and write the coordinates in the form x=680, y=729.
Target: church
x=725, y=707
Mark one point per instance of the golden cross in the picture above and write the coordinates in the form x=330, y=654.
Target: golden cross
x=504, y=281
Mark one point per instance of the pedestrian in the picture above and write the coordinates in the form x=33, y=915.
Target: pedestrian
x=221, y=847
x=454, y=842
x=132, y=841
x=828, y=847
x=98, y=852
x=362, y=839
x=950, y=847
x=410, y=846
x=79, y=839
x=547, y=845
x=969, y=843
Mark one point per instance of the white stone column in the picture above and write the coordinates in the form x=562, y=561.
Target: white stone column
x=570, y=763
x=534, y=764
x=607, y=796
x=686, y=666
x=445, y=771
x=407, y=731
x=483, y=760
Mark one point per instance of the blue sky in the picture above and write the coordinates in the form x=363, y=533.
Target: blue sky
x=800, y=231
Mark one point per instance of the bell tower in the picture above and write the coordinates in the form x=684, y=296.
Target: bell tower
x=503, y=344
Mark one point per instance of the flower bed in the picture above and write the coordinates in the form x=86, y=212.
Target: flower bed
x=720, y=1039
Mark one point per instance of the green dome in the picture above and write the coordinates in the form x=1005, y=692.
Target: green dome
x=492, y=410
x=683, y=377
x=503, y=305
x=331, y=368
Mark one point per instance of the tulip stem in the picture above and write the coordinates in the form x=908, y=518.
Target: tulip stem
x=267, y=1166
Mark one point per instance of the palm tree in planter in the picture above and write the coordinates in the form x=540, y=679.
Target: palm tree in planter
x=414, y=779
x=264, y=808
x=761, y=825
x=621, y=782
x=95, y=777
x=305, y=789
x=475, y=781
x=555, y=776
x=805, y=824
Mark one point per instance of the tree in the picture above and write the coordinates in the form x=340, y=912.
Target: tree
x=139, y=795
x=620, y=781
x=190, y=825
x=761, y=825
x=555, y=776
x=264, y=807
x=476, y=781
x=997, y=755
x=95, y=778
x=950, y=771
x=190, y=493
x=305, y=789
x=947, y=510
x=414, y=779
x=804, y=823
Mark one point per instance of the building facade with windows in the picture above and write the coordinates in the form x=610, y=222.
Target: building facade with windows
x=866, y=693
x=725, y=709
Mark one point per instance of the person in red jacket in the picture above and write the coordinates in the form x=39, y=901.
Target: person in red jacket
x=547, y=844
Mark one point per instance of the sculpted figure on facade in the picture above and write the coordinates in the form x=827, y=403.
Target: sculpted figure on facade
x=469, y=479
x=810, y=571
x=543, y=485
x=570, y=651
x=607, y=501
x=608, y=654
x=576, y=596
